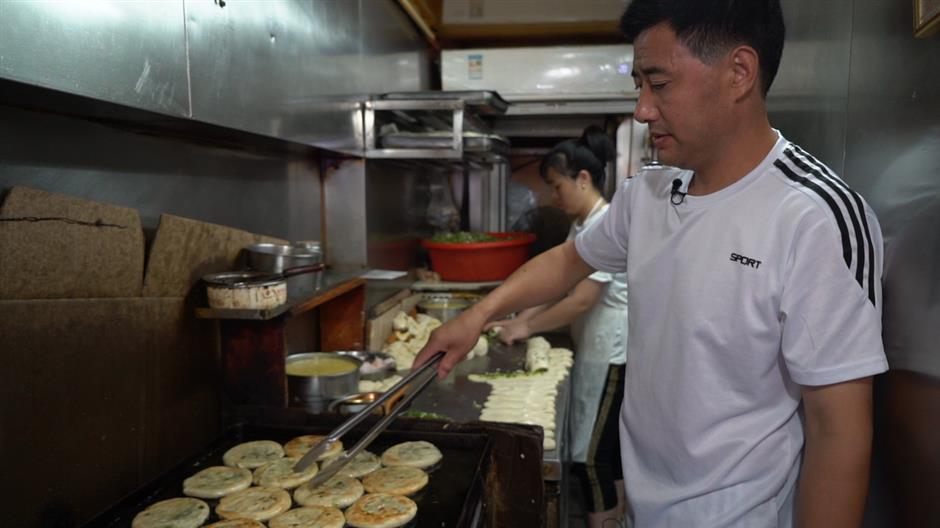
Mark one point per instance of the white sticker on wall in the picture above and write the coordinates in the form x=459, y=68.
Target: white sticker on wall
x=475, y=67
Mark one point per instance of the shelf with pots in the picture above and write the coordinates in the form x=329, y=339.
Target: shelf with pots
x=334, y=285
x=254, y=343
x=326, y=309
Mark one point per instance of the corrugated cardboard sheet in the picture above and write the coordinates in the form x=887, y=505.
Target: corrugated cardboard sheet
x=184, y=250
x=57, y=246
x=101, y=388
x=97, y=397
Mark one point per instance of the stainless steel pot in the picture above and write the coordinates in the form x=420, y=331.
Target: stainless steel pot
x=316, y=392
x=276, y=258
x=443, y=309
x=312, y=246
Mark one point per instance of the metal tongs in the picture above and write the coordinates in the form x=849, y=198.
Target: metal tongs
x=424, y=375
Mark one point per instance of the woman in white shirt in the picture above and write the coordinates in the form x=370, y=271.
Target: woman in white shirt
x=596, y=309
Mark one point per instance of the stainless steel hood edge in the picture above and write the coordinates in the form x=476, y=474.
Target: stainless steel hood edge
x=286, y=69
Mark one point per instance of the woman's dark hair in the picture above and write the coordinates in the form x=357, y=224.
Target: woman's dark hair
x=710, y=28
x=590, y=152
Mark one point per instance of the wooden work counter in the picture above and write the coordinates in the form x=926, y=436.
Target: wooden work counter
x=254, y=343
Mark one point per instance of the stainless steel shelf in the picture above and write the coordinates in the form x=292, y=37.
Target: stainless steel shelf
x=334, y=284
x=434, y=125
x=624, y=106
x=482, y=102
x=487, y=146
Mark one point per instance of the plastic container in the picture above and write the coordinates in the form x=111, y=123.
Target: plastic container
x=480, y=261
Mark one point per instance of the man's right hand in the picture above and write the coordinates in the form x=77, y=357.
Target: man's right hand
x=545, y=278
x=456, y=338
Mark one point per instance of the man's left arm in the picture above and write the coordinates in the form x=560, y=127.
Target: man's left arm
x=834, y=479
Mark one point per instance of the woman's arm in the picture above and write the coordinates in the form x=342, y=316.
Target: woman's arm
x=579, y=301
x=516, y=329
x=550, y=317
x=529, y=313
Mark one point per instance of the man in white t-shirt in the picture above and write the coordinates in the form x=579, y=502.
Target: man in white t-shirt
x=755, y=280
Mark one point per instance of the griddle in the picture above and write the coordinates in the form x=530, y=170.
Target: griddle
x=452, y=497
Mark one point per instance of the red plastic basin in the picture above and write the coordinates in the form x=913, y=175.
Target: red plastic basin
x=480, y=261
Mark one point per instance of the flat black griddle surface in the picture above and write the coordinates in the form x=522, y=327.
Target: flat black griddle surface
x=453, y=492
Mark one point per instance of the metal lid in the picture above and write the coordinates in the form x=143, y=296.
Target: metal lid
x=285, y=250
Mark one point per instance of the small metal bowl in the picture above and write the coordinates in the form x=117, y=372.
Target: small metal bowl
x=277, y=258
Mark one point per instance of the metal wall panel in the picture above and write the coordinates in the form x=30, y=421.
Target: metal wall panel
x=893, y=158
x=856, y=89
x=808, y=99
x=294, y=69
x=258, y=192
x=344, y=201
x=275, y=68
x=393, y=56
x=289, y=69
x=131, y=53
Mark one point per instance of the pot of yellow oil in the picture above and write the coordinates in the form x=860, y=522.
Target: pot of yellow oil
x=314, y=379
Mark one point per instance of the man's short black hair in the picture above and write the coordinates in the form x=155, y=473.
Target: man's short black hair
x=710, y=28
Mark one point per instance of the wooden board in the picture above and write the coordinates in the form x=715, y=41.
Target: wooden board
x=58, y=246
x=341, y=320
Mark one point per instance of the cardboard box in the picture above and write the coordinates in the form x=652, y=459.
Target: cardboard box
x=108, y=378
x=184, y=250
x=60, y=247
x=98, y=397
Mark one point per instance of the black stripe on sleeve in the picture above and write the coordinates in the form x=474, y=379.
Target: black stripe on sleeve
x=843, y=230
x=856, y=227
x=861, y=211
